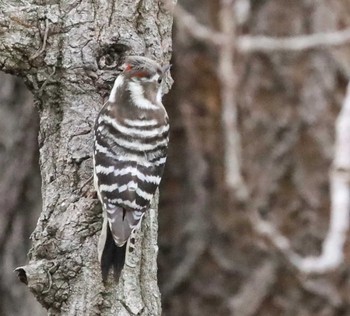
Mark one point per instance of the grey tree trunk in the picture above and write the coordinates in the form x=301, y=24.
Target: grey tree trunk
x=67, y=51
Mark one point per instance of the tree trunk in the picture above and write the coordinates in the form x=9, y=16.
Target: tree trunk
x=67, y=51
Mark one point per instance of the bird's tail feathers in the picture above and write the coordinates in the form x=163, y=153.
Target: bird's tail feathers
x=122, y=231
x=112, y=257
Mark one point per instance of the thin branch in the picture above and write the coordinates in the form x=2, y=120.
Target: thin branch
x=332, y=255
x=259, y=282
x=332, y=250
x=248, y=44
x=267, y=229
x=325, y=290
x=196, y=29
x=228, y=89
x=242, y=10
x=192, y=26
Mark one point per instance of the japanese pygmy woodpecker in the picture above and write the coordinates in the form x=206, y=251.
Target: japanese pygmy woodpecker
x=130, y=149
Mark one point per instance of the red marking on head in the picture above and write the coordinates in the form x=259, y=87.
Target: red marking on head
x=141, y=74
x=127, y=67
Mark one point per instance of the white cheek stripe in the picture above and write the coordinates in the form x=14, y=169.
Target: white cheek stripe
x=117, y=83
x=159, y=95
x=136, y=93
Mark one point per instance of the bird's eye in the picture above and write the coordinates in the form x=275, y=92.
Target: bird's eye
x=159, y=80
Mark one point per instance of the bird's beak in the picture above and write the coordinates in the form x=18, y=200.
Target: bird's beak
x=166, y=68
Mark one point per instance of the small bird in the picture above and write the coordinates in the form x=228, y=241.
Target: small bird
x=131, y=138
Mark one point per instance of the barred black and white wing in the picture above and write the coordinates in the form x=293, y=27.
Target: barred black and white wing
x=130, y=149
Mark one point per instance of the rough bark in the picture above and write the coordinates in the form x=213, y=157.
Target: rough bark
x=67, y=51
x=287, y=105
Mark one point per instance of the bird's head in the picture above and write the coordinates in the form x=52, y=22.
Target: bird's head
x=143, y=70
x=142, y=78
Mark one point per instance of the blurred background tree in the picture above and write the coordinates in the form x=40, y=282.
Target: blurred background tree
x=20, y=192
x=215, y=256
